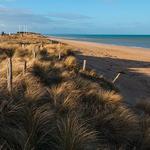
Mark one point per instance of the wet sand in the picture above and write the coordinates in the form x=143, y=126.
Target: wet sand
x=108, y=60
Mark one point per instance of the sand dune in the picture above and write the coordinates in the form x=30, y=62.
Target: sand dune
x=109, y=59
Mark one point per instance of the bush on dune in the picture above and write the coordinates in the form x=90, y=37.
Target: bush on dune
x=59, y=93
x=43, y=54
x=72, y=134
x=48, y=74
x=9, y=51
x=25, y=128
x=83, y=95
x=117, y=127
x=30, y=90
x=94, y=77
x=25, y=89
x=11, y=123
x=2, y=54
x=39, y=125
x=22, y=53
x=88, y=105
x=67, y=51
x=71, y=61
x=95, y=101
x=103, y=110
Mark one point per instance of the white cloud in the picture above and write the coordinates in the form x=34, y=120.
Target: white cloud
x=10, y=19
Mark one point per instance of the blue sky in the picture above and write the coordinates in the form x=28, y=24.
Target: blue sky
x=76, y=16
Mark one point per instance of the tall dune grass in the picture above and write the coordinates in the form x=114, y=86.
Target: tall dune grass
x=57, y=106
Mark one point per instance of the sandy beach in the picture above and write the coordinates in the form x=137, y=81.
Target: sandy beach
x=108, y=60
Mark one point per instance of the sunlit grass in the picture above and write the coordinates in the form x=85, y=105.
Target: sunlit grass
x=55, y=105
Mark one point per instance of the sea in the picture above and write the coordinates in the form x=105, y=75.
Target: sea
x=141, y=41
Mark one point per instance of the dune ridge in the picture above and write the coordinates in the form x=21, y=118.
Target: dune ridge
x=109, y=59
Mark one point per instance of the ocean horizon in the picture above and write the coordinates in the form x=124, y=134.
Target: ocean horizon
x=140, y=41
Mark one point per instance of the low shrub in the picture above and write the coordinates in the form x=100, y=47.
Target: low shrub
x=70, y=61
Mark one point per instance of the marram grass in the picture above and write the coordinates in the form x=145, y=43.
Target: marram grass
x=56, y=106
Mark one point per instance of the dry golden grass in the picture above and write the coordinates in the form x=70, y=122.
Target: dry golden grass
x=70, y=61
x=56, y=106
x=66, y=50
x=51, y=48
x=73, y=135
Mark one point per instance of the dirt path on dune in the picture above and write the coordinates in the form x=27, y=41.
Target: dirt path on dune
x=108, y=60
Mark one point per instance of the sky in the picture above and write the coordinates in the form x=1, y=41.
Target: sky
x=76, y=16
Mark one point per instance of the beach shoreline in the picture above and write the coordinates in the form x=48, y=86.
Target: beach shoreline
x=99, y=43
x=108, y=60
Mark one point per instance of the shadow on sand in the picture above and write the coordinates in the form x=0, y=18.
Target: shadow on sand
x=134, y=86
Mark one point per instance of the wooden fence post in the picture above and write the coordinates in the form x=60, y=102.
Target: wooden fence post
x=9, y=75
x=24, y=67
x=41, y=46
x=23, y=46
x=84, y=65
x=115, y=79
x=59, y=50
x=59, y=56
x=9, y=53
x=34, y=53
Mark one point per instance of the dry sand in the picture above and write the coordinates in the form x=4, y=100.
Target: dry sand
x=109, y=59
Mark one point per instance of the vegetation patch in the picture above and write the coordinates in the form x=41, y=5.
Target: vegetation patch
x=48, y=101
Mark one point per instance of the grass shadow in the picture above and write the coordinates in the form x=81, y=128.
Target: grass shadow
x=134, y=85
